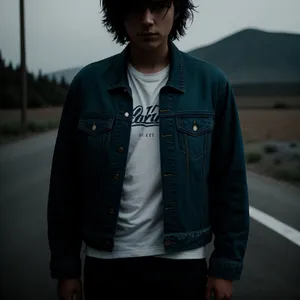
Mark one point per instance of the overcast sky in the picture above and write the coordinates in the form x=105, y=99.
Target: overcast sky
x=68, y=33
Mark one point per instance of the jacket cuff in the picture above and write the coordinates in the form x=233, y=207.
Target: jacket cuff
x=225, y=269
x=65, y=269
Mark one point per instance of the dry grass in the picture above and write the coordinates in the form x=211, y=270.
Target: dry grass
x=267, y=102
x=53, y=114
x=270, y=124
x=257, y=124
x=39, y=121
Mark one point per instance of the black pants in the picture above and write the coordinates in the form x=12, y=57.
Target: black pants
x=140, y=278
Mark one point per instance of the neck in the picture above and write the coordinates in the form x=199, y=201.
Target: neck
x=149, y=61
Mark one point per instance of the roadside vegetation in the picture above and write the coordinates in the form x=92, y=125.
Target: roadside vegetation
x=43, y=94
x=12, y=131
x=278, y=159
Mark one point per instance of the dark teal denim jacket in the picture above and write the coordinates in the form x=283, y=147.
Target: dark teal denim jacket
x=203, y=170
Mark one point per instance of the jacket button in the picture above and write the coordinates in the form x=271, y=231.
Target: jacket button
x=126, y=114
x=111, y=211
x=120, y=149
x=117, y=177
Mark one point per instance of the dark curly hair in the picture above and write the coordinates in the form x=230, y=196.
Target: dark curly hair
x=114, y=12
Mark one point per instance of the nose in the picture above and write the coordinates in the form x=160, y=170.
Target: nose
x=147, y=17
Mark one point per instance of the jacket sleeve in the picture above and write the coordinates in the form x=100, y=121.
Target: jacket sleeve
x=63, y=198
x=229, y=207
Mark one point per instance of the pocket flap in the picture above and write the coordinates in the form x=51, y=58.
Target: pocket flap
x=95, y=126
x=195, y=125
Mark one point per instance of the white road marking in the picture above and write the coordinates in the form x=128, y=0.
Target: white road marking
x=281, y=228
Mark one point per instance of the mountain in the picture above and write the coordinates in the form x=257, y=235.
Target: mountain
x=68, y=74
x=247, y=57
x=256, y=57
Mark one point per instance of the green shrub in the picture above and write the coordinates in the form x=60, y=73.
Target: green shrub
x=280, y=105
x=288, y=174
x=270, y=148
x=14, y=128
x=253, y=157
x=293, y=145
x=10, y=129
x=37, y=127
x=277, y=161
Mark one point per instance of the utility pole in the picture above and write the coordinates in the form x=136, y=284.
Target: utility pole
x=23, y=70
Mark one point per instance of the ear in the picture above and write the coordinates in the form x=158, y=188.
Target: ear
x=176, y=16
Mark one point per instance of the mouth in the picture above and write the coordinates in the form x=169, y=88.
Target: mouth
x=147, y=34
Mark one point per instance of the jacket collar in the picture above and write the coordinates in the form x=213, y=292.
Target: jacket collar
x=117, y=75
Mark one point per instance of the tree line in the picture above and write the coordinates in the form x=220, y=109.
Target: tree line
x=42, y=91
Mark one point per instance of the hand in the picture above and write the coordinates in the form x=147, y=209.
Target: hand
x=69, y=289
x=222, y=289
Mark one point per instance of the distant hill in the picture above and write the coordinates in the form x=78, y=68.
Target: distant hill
x=68, y=74
x=249, y=57
x=253, y=56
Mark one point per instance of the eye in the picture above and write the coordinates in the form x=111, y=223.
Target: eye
x=158, y=6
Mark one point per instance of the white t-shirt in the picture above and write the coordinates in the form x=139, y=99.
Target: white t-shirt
x=140, y=225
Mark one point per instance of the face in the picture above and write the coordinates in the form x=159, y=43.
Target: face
x=149, y=23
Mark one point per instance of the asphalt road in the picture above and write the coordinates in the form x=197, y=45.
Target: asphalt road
x=272, y=263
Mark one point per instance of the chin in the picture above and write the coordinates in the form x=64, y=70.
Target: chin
x=149, y=45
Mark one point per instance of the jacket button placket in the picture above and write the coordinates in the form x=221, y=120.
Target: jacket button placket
x=167, y=153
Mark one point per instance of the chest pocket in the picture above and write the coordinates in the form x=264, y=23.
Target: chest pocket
x=96, y=132
x=195, y=134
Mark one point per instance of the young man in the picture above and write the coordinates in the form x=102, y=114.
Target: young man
x=148, y=166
